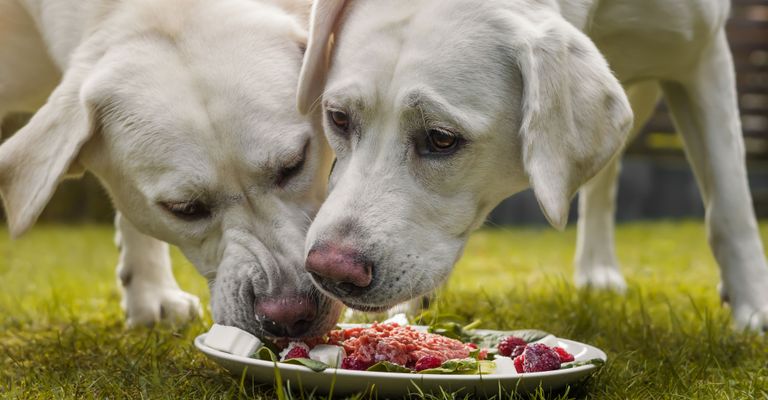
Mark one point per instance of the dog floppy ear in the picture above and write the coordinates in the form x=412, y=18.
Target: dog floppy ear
x=37, y=157
x=576, y=116
x=323, y=22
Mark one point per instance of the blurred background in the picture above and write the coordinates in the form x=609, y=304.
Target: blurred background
x=656, y=181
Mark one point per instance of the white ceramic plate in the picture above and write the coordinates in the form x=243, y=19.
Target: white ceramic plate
x=389, y=384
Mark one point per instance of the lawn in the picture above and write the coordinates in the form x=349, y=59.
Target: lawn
x=62, y=335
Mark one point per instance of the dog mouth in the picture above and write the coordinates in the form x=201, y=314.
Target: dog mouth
x=343, y=292
x=309, y=334
x=300, y=315
x=367, y=307
x=273, y=332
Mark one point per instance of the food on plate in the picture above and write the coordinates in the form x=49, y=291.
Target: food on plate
x=427, y=362
x=564, y=355
x=401, y=345
x=395, y=347
x=537, y=357
x=329, y=354
x=511, y=346
x=232, y=340
x=295, y=350
x=505, y=365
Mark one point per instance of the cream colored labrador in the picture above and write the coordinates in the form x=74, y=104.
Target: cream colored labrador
x=439, y=109
x=184, y=109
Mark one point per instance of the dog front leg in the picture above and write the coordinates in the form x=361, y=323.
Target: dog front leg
x=705, y=110
x=150, y=292
x=595, y=261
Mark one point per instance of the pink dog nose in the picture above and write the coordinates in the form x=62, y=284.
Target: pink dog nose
x=340, y=265
x=287, y=317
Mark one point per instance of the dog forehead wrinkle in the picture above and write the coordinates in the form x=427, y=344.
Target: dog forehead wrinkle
x=288, y=149
x=437, y=109
x=149, y=119
x=349, y=92
x=461, y=65
x=242, y=124
x=214, y=86
x=168, y=16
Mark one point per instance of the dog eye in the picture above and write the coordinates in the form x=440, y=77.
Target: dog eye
x=339, y=119
x=188, y=210
x=440, y=142
x=285, y=174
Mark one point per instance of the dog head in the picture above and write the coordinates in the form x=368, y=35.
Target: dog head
x=438, y=110
x=184, y=110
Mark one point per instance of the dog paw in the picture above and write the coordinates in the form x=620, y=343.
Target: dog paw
x=747, y=297
x=151, y=304
x=749, y=312
x=751, y=318
x=601, y=278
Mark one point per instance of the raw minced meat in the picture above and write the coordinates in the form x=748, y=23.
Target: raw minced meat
x=401, y=345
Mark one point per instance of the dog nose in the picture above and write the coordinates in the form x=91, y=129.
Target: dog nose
x=287, y=317
x=342, y=266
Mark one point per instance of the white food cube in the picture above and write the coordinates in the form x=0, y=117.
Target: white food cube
x=232, y=340
x=505, y=365
x=549, y=341
x=400, y=319
x=329, y=354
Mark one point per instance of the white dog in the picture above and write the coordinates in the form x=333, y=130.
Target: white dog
x=184, y=110
x=439, y=109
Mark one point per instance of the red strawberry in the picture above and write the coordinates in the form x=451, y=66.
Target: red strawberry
x=427, y=362
x=519, y=363
x=507, y=346
x=539, y=357
x=297, y=352
x=563, y=354
x=355, y=363
x=517, y=351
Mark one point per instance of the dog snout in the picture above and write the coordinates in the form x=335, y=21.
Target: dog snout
x=346, y=270
x=287, y=317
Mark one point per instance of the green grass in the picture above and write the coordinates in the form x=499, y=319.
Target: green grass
x=62, y=335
